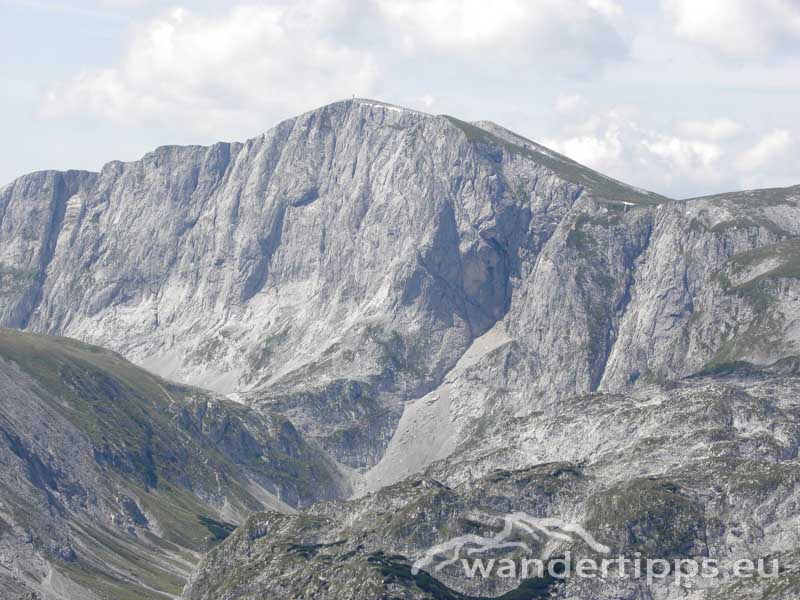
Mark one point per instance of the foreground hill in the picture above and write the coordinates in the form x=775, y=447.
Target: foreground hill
x=113, y=481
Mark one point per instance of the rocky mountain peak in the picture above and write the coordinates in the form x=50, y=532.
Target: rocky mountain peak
x=344, y=262
x=428, y=313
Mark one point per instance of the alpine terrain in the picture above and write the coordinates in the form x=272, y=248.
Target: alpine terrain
x=290, y=367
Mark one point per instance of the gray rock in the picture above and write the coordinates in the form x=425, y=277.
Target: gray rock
x=703, y=469
x=411, y=295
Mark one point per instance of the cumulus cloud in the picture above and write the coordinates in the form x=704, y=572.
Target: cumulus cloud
x=693, y=159
x=677, y=160
x=567, y=103
x=770, y=148
x=661, y=161
x=574, y=34
x=737, y=28
x=771, y=161
x=716, y=129
x=602, y=151
x=427, y=101
x=255, y=61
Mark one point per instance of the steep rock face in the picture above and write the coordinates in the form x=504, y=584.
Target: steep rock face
x=33, y=212
x=618, y=300
x=714, y=286
x=207, y=263
x=342, y=264
x=357, y=245
x=105, y=467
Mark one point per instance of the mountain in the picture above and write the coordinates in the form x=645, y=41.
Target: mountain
x=417, y=296
x=348, y=258
x=113, y=480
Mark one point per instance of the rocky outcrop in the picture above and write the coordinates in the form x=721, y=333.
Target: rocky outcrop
x=702, y=469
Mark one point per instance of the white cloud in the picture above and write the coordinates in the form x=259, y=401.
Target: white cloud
x=608, y=8
x=602, y=151
x=576, y=34
x=567, y=103
x=772, y=147
x=736, y=28
x=255, y=62
x=714, y=130
x=199, y=75
x=692, y=158
x=427, y=100
x=242, y=70
x=664, y=162
x=677, y=161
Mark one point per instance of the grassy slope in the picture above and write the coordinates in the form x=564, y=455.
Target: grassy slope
x=177, y=450
x=602, y=187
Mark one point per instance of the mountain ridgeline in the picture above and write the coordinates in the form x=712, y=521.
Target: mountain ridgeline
x=385, y=294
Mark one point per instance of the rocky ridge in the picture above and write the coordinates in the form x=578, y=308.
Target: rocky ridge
x=114, y=482
x=702, y=469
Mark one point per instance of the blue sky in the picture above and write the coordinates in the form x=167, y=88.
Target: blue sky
x=680, y=96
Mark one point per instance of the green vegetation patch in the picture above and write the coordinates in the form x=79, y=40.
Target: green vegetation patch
x=748, y=222
x=108, y=587
x=768, y=197
x=143, y=430
x=782, y=261
x=786, y=256
x=649, y=515
x=115, y=565
x=762, y=334
x=218, y=529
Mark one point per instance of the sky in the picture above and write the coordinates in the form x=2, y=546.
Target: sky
x=683, y=97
